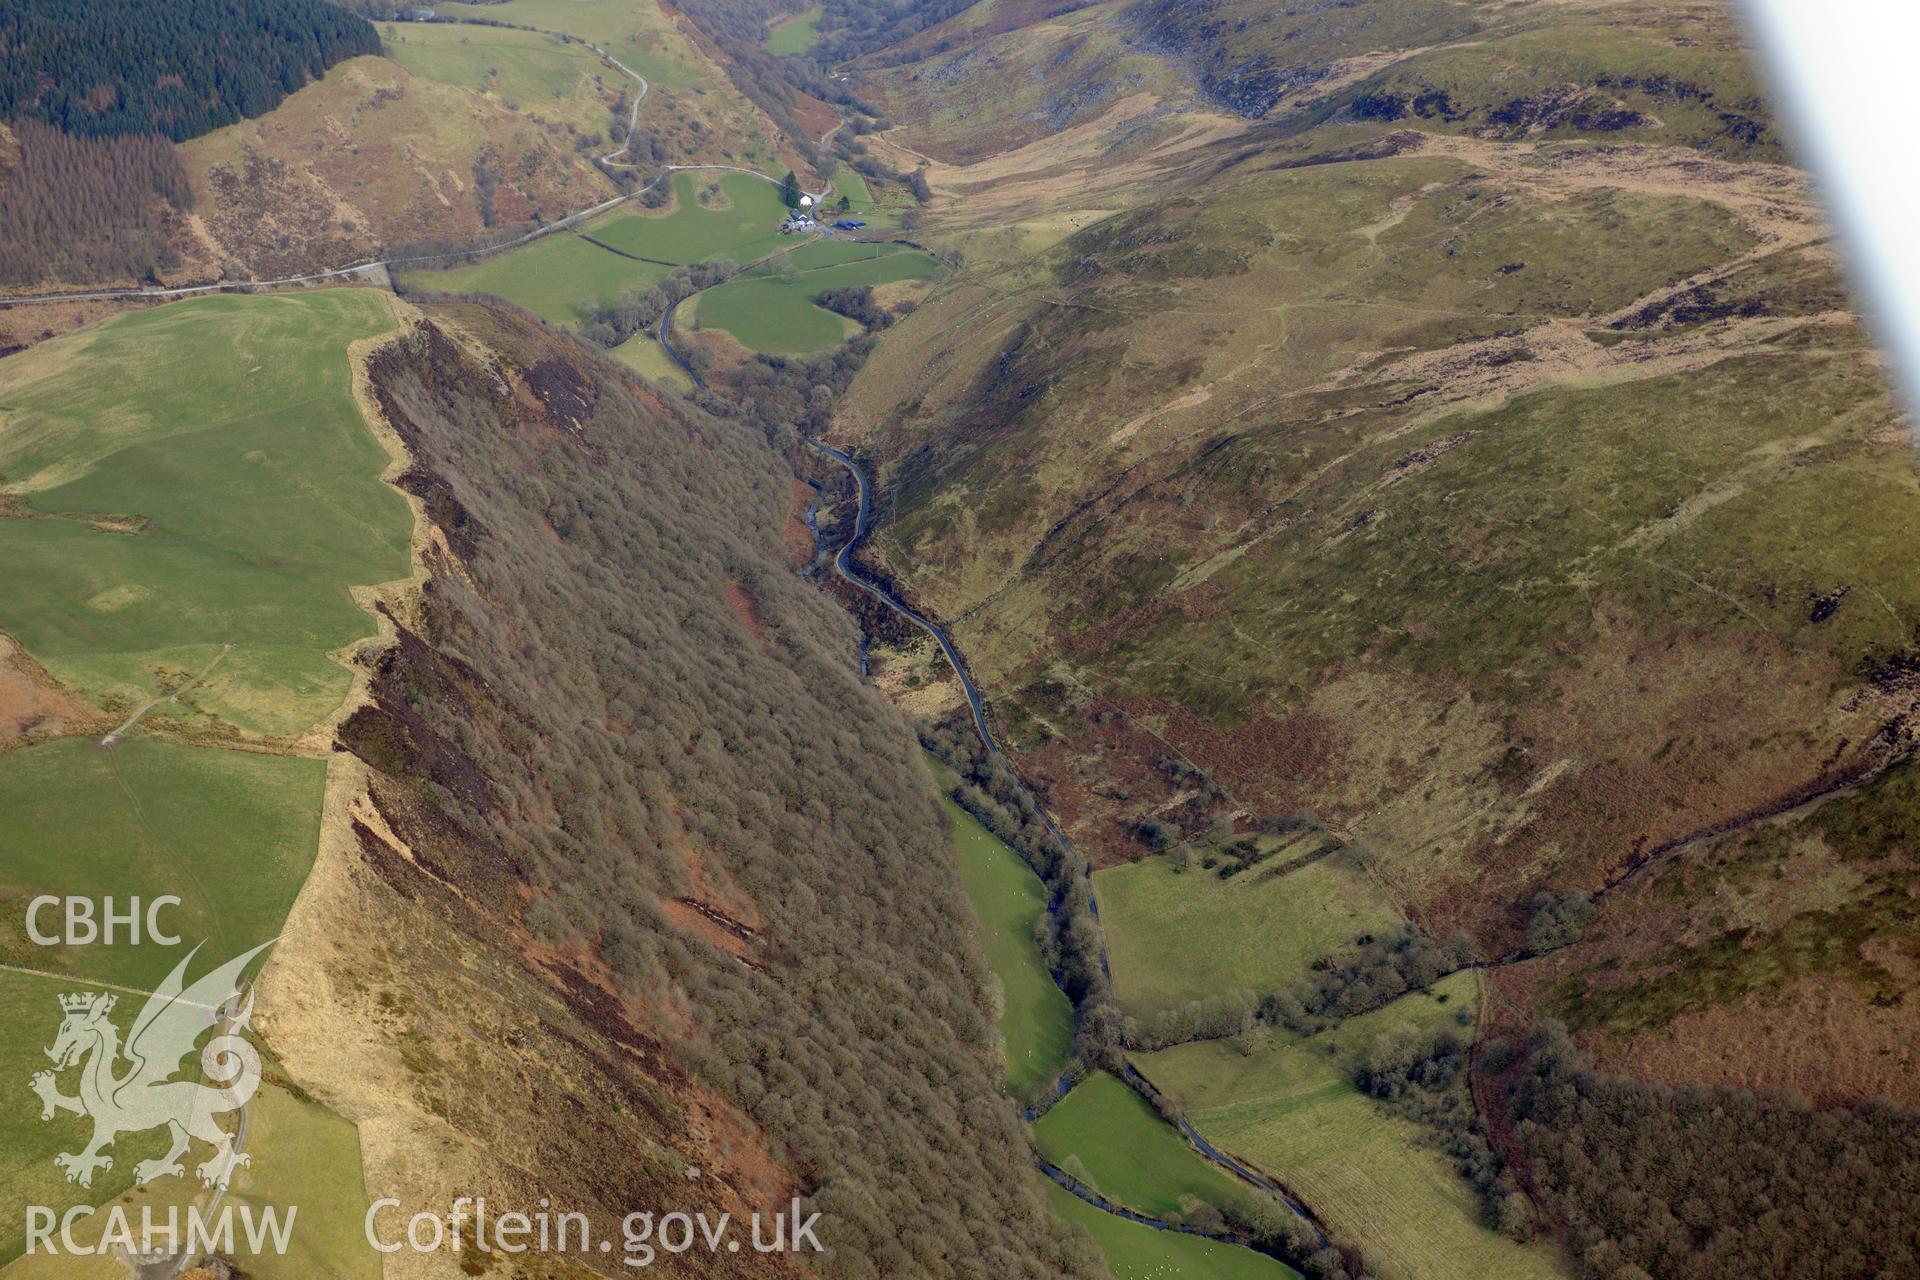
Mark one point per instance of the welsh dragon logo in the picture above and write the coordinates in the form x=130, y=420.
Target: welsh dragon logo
x=145, y=1094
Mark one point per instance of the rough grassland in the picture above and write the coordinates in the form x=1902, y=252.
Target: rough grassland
x=1036, y=1022
x=522, y=71
x=643, y=355
x=1136, y=1252
x=555, y=277
x=1291, y=1108
x=371, y=156
x=1179, y=936
x=797, y=34
x=692, y=108
x=196, y=476
x=638, y=34
x=1127, y=1152
x=745, y=226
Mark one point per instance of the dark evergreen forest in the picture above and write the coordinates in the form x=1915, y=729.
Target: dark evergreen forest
x=182, y=68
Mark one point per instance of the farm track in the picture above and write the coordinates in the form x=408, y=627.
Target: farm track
x=188, y=687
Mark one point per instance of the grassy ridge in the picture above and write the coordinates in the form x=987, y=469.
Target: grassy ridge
x=1036, y=1022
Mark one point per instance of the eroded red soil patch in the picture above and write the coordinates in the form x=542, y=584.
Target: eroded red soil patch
x=30, y=701
x=747, y=609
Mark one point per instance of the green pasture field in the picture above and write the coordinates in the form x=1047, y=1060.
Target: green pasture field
x=1291, y=1109
x=772, y=316
x=1127, y=1152
x=772, y=307
x=1175, y=936
x=797, y=34
x=303, y=1155
x=1036, y=1021
x=196, y=476
x=310, y=1157
x=848, y=182
x=747, y=228
x=1136, y=1252
x=556, y=277
x=861, y=202
x=30, y=1006
x=231, y=833
x=524, y=71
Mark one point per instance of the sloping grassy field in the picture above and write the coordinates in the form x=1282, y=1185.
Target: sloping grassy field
x=1292, y=1109
x=556, y=277
x=198, y=476
x=1036, y=1022
x=230, y=833
x=1174, y=936
x=796, y=34
x=522, y=71
x=1109, y=1136
x=742, y=222
x=643, y=355
x=773, y=307
x=639, y=35
x=1136, y=1252
x=193, y=495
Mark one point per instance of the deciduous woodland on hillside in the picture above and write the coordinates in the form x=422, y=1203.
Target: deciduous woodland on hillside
x=590, y=723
